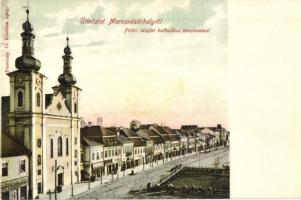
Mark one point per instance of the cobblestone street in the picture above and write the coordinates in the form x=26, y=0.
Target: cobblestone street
x=120, y=188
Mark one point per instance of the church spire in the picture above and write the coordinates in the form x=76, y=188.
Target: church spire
x=27, y=61
x=67, y=78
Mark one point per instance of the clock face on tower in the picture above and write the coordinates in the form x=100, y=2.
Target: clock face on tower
x=38, y=81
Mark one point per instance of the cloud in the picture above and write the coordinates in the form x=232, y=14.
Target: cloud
x=195, y=15
x=52, y=34
x=93, y=43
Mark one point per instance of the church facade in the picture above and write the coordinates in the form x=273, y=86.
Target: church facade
x=48, y=125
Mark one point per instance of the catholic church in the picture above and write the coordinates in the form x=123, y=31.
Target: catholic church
x=47, y=125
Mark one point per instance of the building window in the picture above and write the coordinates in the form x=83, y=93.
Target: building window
x=39, y=172
x=5, y=169
x=67, y=147
x=39, y=160
x=38, y=99
x=39, y=143
x=20, y=99
x=59, y=146
x=75, y=153
x=39, y=188
x=22, y=166
x=106, y=154
x=92, y=156
x=75, y=140
x=115, y=152
x=51, y=148
x=97, y=156
x=23, y=192
x=5, y=195
x=75, y=107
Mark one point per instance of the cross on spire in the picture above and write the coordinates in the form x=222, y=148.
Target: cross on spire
x=27, y=11
x=67, y=41
x=27, y=8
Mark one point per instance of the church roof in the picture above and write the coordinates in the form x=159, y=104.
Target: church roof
x=5, y=104
x=10, y=147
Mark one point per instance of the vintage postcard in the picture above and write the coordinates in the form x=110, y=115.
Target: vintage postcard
x=114, y=99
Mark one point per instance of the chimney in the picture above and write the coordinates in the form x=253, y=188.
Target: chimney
x=99, y=121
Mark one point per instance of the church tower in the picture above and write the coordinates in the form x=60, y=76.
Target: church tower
x=27, y=104
x=69, y=93
x=67, y=83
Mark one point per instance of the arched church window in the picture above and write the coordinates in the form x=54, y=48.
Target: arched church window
x=39, y=160
x=75, y=107
x=51, y=148
x=38, y=99
x=39, y=143
x=59, y=146
x=67, y=146
x=20, y=99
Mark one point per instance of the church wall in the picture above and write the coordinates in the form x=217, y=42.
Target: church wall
x=56, y=127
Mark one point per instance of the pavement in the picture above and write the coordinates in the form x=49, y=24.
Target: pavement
x=121, y=184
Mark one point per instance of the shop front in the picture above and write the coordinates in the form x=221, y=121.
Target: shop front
x=97, y=169
x=15, y=189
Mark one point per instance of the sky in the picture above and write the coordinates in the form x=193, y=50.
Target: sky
x=164, y=78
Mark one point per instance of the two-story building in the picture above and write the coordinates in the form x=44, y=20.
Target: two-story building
x=127, y=158
x=183, y=142
x=212, y=139
x=190, y=132
x=112, y=147
x=139, y=145
x=149, y=145
x=165, y=137
x=174, y=141
x=15, y=173
x=157, y=143
x=92, y=159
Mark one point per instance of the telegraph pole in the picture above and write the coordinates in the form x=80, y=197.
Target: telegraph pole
x=55, y=170
x=101, y=176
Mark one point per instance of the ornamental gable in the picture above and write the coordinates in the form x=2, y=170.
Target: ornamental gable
x=58, y=106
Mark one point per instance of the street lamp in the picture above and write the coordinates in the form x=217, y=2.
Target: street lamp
x=101, y=175
x=117, y=172
x=89, y=183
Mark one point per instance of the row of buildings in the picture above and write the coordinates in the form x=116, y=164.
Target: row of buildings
x=111, y=150
x=44, y=146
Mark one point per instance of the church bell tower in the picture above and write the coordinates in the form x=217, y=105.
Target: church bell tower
x=27, y=104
